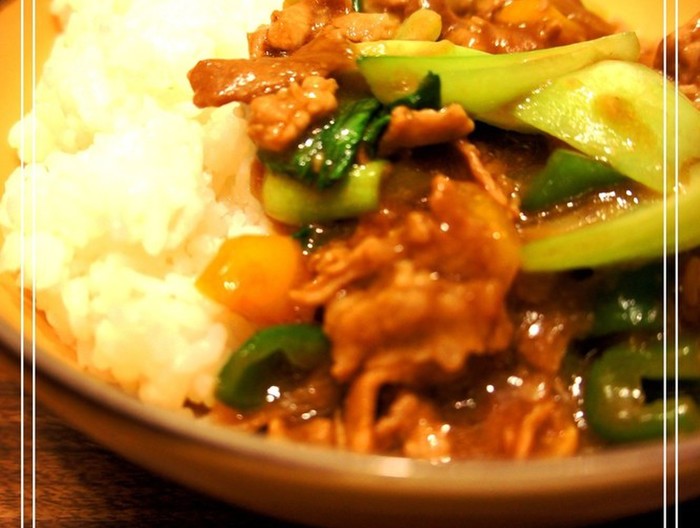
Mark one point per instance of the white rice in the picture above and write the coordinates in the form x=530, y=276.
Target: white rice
x=135, y=188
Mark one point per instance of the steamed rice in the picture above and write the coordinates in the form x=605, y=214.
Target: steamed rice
x=134, y=190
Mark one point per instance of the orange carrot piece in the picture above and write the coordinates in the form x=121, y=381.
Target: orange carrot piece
x=253, y=275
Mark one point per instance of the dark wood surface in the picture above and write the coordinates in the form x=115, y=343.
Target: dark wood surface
x=80, y=484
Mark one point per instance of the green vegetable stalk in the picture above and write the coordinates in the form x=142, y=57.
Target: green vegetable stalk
x=293, y=203
x=477, y=81
x=614, y=111
x=634, y=235
x=414, y=48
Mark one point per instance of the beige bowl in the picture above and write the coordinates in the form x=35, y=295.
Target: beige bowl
x=320, y=486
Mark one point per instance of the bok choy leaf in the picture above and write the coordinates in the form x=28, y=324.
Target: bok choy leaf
x=326, y=155
x=617, y=112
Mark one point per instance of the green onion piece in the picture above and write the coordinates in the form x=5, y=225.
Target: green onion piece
x=566, y=175
x=614, y=111
x=615, y=404
x=249, y=372
x=484, y=84
x=291, y=202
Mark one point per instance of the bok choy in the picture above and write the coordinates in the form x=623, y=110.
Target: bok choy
x=476, y=81
x=617, y=112
x=633, y=235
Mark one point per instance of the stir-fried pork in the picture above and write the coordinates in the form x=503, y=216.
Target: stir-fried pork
x=688, y=58
x=416, y=128
x=295, y=25
x=408, y=301
x=361, y=27
x=219, y=81
x=276, y=120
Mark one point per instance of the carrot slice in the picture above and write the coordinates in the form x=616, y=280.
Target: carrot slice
x=253, y=275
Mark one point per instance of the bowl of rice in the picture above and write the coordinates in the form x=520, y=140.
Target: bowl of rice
x=118, y=191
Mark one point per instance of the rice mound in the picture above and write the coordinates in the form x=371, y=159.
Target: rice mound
x=128, y=189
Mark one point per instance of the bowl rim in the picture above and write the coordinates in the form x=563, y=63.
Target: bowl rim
x=628, y=465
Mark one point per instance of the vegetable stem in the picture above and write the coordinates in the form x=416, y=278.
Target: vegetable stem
x=566, y=175
x=617, y=112
x=291, y=202
x=635, y=235
x=477, y=81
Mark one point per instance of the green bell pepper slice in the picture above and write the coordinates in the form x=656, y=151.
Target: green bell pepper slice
x=633, y=302
x=567, y=174
x=615, y=403
x=245, y=378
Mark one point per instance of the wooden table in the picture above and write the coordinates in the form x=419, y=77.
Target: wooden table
x=79, y=484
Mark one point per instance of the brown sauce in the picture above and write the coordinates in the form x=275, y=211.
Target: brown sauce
x=441, y=347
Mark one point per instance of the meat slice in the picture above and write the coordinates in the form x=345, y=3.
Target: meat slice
x=295, y=25
x=488, y=181
x=416, y=128
x=414, y=428
x=498, y=26
x=422, y=294
x=216, y=82
x=277, y=120
x=361, y=27
x=688, y=58
x=412, y=318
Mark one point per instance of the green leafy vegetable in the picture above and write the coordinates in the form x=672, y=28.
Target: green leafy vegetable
x=326, y=155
